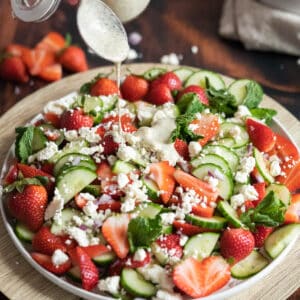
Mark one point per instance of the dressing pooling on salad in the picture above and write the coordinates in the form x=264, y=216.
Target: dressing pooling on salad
x=194, y=192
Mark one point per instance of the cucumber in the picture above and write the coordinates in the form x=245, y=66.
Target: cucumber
x=201, y=245
x=109, y=102
x=227, y=142
x=153, y=73
x=66, y=217
x=24, y=233
x=229, y=214
x=213, y=159
x=74, y=274
x=281, y=191
x=261, y=166
x=278, y=240
x=199, y=78
x=148, y=210
x=167, y=229
x=161, y=256
x=72, y=180
x=152, y=188
x=73, y=159
x=94, y=189
x=145, y=112
x=52, y=130
x=225, y=181
x=135, y=284
x=249, y=266
x=183, y=73
x=104, y=259
x=209, y=223
x=94, y=107
x=231, y=158
x=122, y=167
x=39, y=140
x=241, y=139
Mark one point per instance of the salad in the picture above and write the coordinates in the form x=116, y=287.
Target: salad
x=167, y=188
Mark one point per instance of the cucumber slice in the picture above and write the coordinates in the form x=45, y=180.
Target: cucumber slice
x=23, y=233
x=199, y=78
x=73, y=180
x=109, y=102
x=135, y=284
x=92, y=104
x=229, y=214
x=145, y=112
x=209, y=223
x=66, y=217
x=261, y=166
x=183, y=73
x=122, y=167
x=52, y=130
x=231, y=158
x=201, y=245
x=153, y=73
x=152, y=188
x=249, y=266
x=74, y=274
x=281, y=191
x=212, y=159
x=104, y=259
x=279, y=239
x=39, y=140
x=161, y=256
x=227, y=142
x=73, y=159
x=94, y=189
x=225, y=181
x=148, y=210
x=240, y=139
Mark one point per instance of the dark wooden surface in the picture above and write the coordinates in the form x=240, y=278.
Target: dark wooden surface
x=167, y=26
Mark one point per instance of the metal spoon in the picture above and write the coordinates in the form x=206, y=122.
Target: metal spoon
x=102, y=30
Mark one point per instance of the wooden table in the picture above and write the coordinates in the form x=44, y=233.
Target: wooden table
x=167, y=26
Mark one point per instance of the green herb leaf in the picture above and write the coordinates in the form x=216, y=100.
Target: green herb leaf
x=23, y=144
x=68, y=40
x=143, y=231
x=190, y=103
x=20, y=184
x=265, y=114
x=254, y=95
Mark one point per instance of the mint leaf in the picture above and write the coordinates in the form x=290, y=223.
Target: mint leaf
x=254, y=95
x=143, y=231
x=269, y=212
x=23, y=144
x=190, y=103
x=265, y=114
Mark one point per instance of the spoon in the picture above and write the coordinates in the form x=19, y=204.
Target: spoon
x=102, y=30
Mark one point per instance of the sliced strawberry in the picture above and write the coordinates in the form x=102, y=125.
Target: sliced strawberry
x=113, y=205
x=109, y=145
x=104, y=171
x=201, y=278
x=130, y=262
x=170, y=244
x=104, y=87
x=53, y=42
x=159, y=94
x=73, y=59
x=170, y=79
x=202, y=188
x=292, y=214
x=195, y=89
x=125, y=120
x=262, y=136
x=52, y=118
x=47, y=168
x=51, y=73
x=75, y=119
x=260, y=234
x=68, y=242
x=292, y=178
x=11, y=175
x=134, y=88
x=201, y=211
x=261, y=191
x=286, y=149
x=256, y=177
x=80, y=201
x=13, y=68
x=187, y=229
x=182, y=148
x=16, y=50
x=46, y=262
x=114, y=230
x=208, y=127
x=95, y=250
x=162, y=174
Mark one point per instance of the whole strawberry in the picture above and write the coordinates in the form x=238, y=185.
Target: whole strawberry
x=29, y=205
x=104, y=87
x=170, y=79
x=236, y=244
x=73, y=59
x=260, y=235
x=75, y=119
x=159, y=94
x=134, y=88
x=196, y=89
x=13, y=68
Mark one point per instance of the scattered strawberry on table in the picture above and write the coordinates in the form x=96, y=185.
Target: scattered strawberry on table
x=168, y=188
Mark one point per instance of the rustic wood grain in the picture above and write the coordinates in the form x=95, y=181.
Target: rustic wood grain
x=16, y=272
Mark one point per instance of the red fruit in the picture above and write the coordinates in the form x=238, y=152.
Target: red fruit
x=109, y=145
x=104, y=171
x=260, y=235
x=261, y=191
x=108, y=122
x=159, y=94
x=47, y=168
x=16, y=50
x=114, y=230
x=51, y=73
x=170, y=79
x=95, y=250
x=134, y=88
x=113, y=205
x=182, y=148
x=53, y=42
x=130, y=262
x=195, y=89
x=262, y=136
x=13, y=68
x=80, y=201
x=11, y=175
x=187, y=229
x=46, y=242
x=75, y=119
x=46, y=262
x=208, y=127
x=206, y=212
x=292, y=215
x=68, y=242
x=236, y=244
x=201, y=278
x=29, y=206
x=104, y=87
x=292, y=178
x=286, y=149
x=52, y=118
x=73, y=59
x=170, y=244
x=162, y=174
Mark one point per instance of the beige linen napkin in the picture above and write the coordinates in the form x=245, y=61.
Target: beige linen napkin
x=260, y=27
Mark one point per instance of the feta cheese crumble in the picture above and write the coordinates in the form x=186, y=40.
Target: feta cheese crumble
x=110, y=284
x=59, y=257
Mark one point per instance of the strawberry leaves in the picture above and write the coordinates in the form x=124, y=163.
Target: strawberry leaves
x=21, y=183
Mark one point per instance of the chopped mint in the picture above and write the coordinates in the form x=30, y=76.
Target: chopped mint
x=23, y=144
x=265, y=114
x=190, y=103
x=254, y=95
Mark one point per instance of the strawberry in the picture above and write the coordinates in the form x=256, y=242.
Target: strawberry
x=46, y=262
x=73, y=59
x=13, y=68
x=208, y=127
x=292, y=178
x=206, y=212
x=104, y=171
x=260, y=234
x=262, y=136
x=47, y=167
x=182, y=148
x=80, y=201
x=202, y=188
x=109, y=145
x=113, y=205
x=292, y=215
x=75, y=119
x=68, y=242
x=16, y=50
x=236, y=244
x=53, y=42
x=114, y=230
x=52, y=118
x=285, y=148
x=29, y=206
x=95, y=250
x=187, y=229
x=195, y=89
x=170, y=79
x=159, y=94
x=11, y=175
x=261, y=191
x=134, y=88
x=104, y=87
x=44, y=241
x=162, y=174
x=201, y=278
x=170, y=244
x=51, y=73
